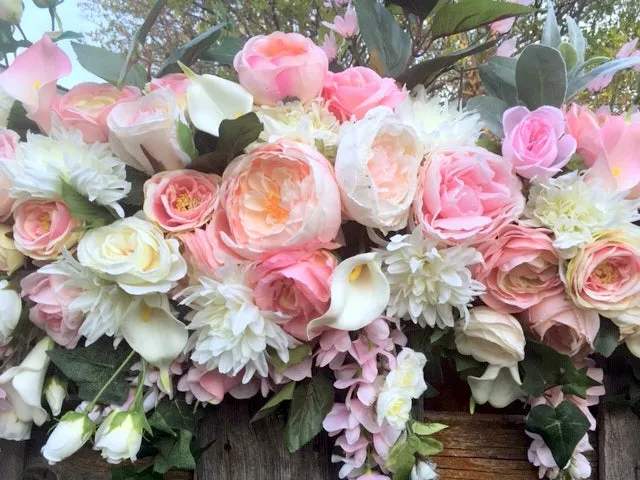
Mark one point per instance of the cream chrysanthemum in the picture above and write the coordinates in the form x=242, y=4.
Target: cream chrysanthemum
x=428, y=282
x=43, y=162
x=231, y=332
x=576, y=210
x=437, y=122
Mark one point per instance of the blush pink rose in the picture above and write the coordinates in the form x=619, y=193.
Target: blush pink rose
x=520, y=269
x=297, y=284
x=180, y=200
x=281, y=65
x=86, y=107
x=43, y=228
x=585, y=125
x=8, y=142
x=356, y=90
x=557, y=322
x=211, y=386
x=536, y=143
x=177, y=82
x=51, y=310
x=280, y=196
x=466, y=195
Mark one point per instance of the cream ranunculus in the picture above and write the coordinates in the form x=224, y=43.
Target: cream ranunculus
x=499, y=386
x=134, y=254
x=377, y=169
x=69, y=436
x=10, y=310
x=119, y=437
x=492, y=337
x=11, y=258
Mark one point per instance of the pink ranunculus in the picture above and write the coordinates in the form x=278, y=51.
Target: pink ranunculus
x=536, y=143
x=8, y=142
x=520, y=269
x=297, y=284
x=280, y=196
x=585, y=126
x=207, y=386
x=177, y=82
x=356, y=90
x=86, y=107
x=560, y=324
x=32, y=79
x=181, y=200
x=281, y=65
x=51, y=310
x=466, y=195
x=43, y=228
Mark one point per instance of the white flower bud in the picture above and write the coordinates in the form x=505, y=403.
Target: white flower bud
x=55, y=391
x=120, y=436
x=71, y=433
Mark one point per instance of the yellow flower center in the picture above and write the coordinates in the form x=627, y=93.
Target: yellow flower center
x=606, y=274
x=45, y=223
x=145, y=315
x=37, y=84
x=355, y=273
x=186, y=202
x=616, y=171
x=274, y=209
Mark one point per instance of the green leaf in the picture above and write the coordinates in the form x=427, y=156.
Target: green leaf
x=569, y=54
x=463, y=15
x=236, y=135
x=132, y=473
x=551, y=31
x=185, y=139
x=608, y=337
x=67, y=35
x=419, y=8
x=107, y=65
x=191, y=51
x=388, y=44
x=541, y=77
x=490, y=144
x=311, y=402
x=282, y=396
x=498, y=77
x=18, y=121
x=174, y=414
x=491, y=110
x=420, y=428
x=561, y=428
x=401, y=457
x=81, y=208
x=91, y=367
x=175, y=453
x=576, y=39
x=464, y=362
x=428, y=447
x=296, y=355
x=136, y=178
x=581, y=82
x=224, y=52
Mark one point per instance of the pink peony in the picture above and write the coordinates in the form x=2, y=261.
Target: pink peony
x=87, y=105
x=8, y=142
x=466, y=195
x=535, y=142
x=281, y=65
x=180, y=200
x=356, y=90
x=520, y=269
x=51, y=310
x=585, y=125
x=297, y=284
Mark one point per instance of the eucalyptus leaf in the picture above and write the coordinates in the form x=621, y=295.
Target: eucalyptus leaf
x=580, y=83
x=108, y=65
x=498, y=77
x=551, y=31
x=191, y=51
x=491, y=110
x=541, y=77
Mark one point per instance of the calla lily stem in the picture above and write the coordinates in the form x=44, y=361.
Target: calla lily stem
x=111, y=380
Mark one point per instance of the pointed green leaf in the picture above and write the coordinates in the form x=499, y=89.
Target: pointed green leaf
x=401, y=458
x=236, y=135
x=427, y=428
x=296, y=355
x=580, y=83
x=137, y=179
x=429, y=447
x=175, y=453
x=107, y=65
x=191, y=51
x=551, y=31
x=282, y=396
x=498, y=77
x=185, y=139
x=81, y=208
x=569, y=54
x=174, y=414
x=576, y=39
x=541, y=77
x=225, y=52
x=608, y=337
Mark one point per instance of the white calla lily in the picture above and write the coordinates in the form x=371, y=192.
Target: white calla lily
x=23, y=384
x=359, y=294
x=499, y=386
x=152, y=331
x=211, y=99
x=11, y=428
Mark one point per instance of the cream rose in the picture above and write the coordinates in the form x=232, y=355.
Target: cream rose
x=133, y=253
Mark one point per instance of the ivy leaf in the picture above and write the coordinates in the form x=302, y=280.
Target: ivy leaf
x=561, y=428
x=608, y=337
x=81, y=208
x=311, y=402
x=172, y=415
x=175, y=453
x=236, y=135
x=282, y=396
x=401, y=458
x=498, y=77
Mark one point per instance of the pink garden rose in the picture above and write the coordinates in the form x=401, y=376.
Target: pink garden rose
x=180, y=200
x=356, y=90
x=8, y=142
x=43, y=228
x=536, y=142
x=297, y=284
x=177, y=82
x=51, y=310
x=557, y=322
x=520, y=268
x=86, y=107
x=280, y=196
x=466, y=195
x=281, y=65
x=207, y=386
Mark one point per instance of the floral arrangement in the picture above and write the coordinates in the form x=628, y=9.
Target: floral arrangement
x=313, y=236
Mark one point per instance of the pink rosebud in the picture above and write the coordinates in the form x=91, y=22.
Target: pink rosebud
x=536, y=142
x=281, y=65
x=346, y=26
x=208, y=386
x=8, y=142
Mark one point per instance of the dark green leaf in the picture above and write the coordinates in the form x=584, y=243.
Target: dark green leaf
x=464, y=362
x=419, y=8
x=191, y=51
x=311, y=402
x=136, y=178
x=579, y=83
x=174, y=415
x=175, y=453
x=491, y=110
x=561, y=428
x=107, y=65
x=225, y=52
x=90, y=368
x=236, y=135
x=81, y=208
x=388, y=44
x=132, y=473
x=18, y=121
x=428, y=447
x=541, y=77
x=551, y=31
x=490, y=144
x=498, y=77
x=463, y=15
x=282, y=396
x=185, y=139
x=608, y=337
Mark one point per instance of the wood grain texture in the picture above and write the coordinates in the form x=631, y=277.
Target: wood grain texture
x=619, y=444
x=11, y=460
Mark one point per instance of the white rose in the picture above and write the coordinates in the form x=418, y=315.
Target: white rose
x=12, y=428
x=394, y=406
x=492, y=337
x=135, y=254
x=408, y=373
x=55, y=391
x=423, y=471
x=70, y=434
x=377, y=170
x=119, y=437
x=10, y=310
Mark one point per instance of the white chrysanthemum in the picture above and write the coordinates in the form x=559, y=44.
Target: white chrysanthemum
x=42, y=162
x=428, y=282
x=575, y=210
x=310, y=123
x=6, y=102
x=231, y=332
x=439, y=123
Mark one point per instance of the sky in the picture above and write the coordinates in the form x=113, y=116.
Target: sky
x=36, y=20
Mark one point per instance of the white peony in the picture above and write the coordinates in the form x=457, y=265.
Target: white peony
x=394, y=406
x=427, y=282
x=119, y=437
x=10, y=311
x=69, y=436
x=408, y=373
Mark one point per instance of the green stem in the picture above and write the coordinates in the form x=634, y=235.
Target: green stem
x=21, y=31
x=137, y=402
x=109, y=382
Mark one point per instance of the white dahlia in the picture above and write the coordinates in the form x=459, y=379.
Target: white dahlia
x=43, y=162
x=428, y=282
x=437, y=122
x=231, y=332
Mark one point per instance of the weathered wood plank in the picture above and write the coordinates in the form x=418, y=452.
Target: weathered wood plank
x=11, y=460
x=619, y=444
